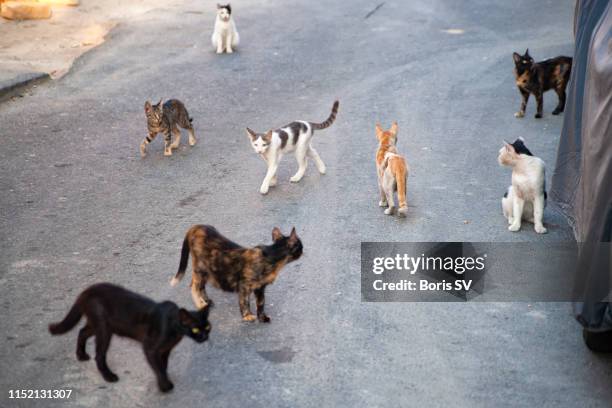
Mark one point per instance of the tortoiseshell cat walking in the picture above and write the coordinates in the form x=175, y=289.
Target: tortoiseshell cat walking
x=539, y=77
x=233, y=268
x=166, y=118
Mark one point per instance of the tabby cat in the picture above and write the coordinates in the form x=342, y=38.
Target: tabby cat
x=111, y=309
x=166, y=118
x=539, y=77
x=296, y=136
x=233, y=268
x=392, y=171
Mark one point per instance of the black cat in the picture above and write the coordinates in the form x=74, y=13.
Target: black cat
x=538, y=77
x=111, y=309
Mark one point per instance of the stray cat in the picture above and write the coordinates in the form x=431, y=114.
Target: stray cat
x=166, y=118
x=392, y=171
x=111, y=309
x=233, y=268
x=295, y=136
x=537, y=78
x=526, y=197
x=225, y=35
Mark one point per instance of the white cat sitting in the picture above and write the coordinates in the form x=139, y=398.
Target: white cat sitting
x=526, y=197
x=294, y=137
x=225, y=35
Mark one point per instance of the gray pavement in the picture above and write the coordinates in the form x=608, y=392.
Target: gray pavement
x=80, y=206
x=17, y=82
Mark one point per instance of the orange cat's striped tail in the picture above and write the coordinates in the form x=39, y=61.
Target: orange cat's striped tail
x=401, y=173
x=330, y=120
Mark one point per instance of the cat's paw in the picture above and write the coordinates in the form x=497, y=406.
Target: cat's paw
x=382, y=204
x=168, y=152
x=556, y=111
x=165, y=386
x=519, y=114
x=230, y=51
x=273, y=181
x=322, y=169
x=219, y=51
x=110, y=377
x=263, y=318
x=540, y=229
x=538, y=116
x=514, y=227
x=263, y=189
x=390, y=210
x=403, y=211
x=249, y=318
x=83, y=356
x=295, y=178
x=192, y=141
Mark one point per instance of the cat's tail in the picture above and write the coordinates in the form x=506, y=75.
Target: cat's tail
x=330, y=120
x=183, y=264
x=401, y=173
x=71, y=320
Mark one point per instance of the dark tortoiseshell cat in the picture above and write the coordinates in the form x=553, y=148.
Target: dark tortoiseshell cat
x=111, y=309
x=166, y=118
x=538, y=77
x=233, y=268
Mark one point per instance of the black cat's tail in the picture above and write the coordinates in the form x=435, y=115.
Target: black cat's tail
x=183, y=264
x=71, y=320
x=330, y=120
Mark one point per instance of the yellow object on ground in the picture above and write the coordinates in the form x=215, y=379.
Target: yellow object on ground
x=28, y=10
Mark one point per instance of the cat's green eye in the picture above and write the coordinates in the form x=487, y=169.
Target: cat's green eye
x=195, y=330
x=208, y=327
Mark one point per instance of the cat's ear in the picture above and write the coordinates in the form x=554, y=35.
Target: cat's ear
x=186, y=318
x=509, y=147
x=276, y=234
x=394, y=129
x=527, y=52
x=268, y=136
x=516, y=57
x=219, y=6
x=379, y=131
x=148, y=107
x=293, y=238
x=252, y=135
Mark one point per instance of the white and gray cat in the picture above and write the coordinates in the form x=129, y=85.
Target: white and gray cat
x=295, y=136
x=225, y=36
x=526, y=197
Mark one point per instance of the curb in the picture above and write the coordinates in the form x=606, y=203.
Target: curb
x=19, y=82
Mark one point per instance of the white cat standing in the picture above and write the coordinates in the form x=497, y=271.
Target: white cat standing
x=526, y=197
x=225, y=35
x=294, y=137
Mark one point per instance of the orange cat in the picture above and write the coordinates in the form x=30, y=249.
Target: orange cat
x=392, y=171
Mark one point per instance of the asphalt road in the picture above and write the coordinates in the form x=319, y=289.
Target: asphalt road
x=80, y=206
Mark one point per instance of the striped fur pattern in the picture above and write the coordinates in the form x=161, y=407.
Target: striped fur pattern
x=166, y=118
x=392, y=171
x=294, y=137
x=234, y=268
